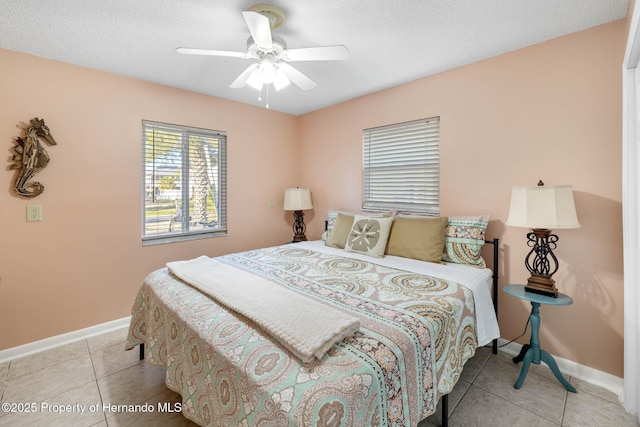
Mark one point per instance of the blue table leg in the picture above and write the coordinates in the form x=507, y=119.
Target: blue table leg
x=551, y=363
x=525, y=368
x=534, y=354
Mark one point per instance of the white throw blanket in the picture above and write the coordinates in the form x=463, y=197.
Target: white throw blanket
x=306, y=327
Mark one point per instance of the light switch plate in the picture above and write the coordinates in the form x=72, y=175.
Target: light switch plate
x=34, y=213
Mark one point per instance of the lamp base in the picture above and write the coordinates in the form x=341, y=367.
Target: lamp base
x=298, y=227
x=299, y=238
x=543, y=285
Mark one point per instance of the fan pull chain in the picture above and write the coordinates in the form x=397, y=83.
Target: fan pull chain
x=267, y=93
x=260, y=95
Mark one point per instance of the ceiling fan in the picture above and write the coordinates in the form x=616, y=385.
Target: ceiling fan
x=272, y=53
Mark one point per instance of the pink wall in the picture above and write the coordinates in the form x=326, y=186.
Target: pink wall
x=552, y=112
x=84, y=263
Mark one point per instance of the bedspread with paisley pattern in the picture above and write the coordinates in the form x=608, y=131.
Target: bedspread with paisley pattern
x=416, y=333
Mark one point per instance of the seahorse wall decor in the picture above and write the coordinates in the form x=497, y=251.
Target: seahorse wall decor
x=31, y=157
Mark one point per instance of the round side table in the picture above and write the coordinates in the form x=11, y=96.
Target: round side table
x=532, y=353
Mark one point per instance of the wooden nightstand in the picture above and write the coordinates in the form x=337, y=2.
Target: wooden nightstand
x=532, y=353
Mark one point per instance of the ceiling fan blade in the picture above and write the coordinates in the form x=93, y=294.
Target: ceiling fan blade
x=259, y=28
x=241, y=81
x=194, y=51
x=323, y=53
x=304, y=82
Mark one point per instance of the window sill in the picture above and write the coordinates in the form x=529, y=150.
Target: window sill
x=161, y=240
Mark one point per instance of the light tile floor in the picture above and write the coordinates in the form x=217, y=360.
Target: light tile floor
x=97, y=374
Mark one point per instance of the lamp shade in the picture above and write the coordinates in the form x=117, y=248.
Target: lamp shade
x=544, y=206
x=297, y=199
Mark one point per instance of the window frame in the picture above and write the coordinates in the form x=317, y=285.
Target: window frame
x=421, y=136
x=221, y=206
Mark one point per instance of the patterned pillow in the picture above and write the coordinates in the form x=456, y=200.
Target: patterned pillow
x=464, y=238
x=369, y=235
x=332, y=215
x=331, y=222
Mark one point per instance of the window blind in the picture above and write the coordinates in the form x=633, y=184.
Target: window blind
x=184, y=182
x=401, y=167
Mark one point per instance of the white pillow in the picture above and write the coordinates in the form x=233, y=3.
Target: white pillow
x=369, y=235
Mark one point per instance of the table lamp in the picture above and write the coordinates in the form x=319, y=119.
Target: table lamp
x=297, y=200
x=542, y=208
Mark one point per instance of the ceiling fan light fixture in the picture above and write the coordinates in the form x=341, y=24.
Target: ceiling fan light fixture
x=267, y=70
x=266, y=73
x=255, y=80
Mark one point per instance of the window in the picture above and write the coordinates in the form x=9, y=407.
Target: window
x=401, y=167
x=184, y=183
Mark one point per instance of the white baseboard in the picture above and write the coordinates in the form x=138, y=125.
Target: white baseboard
x=574, y=369
x=58, y=340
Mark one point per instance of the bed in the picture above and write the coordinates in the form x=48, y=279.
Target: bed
x=419, y=322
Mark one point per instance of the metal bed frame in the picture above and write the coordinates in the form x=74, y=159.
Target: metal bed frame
x=445, y=399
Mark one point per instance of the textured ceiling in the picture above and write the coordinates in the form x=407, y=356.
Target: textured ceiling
x=390, y=42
